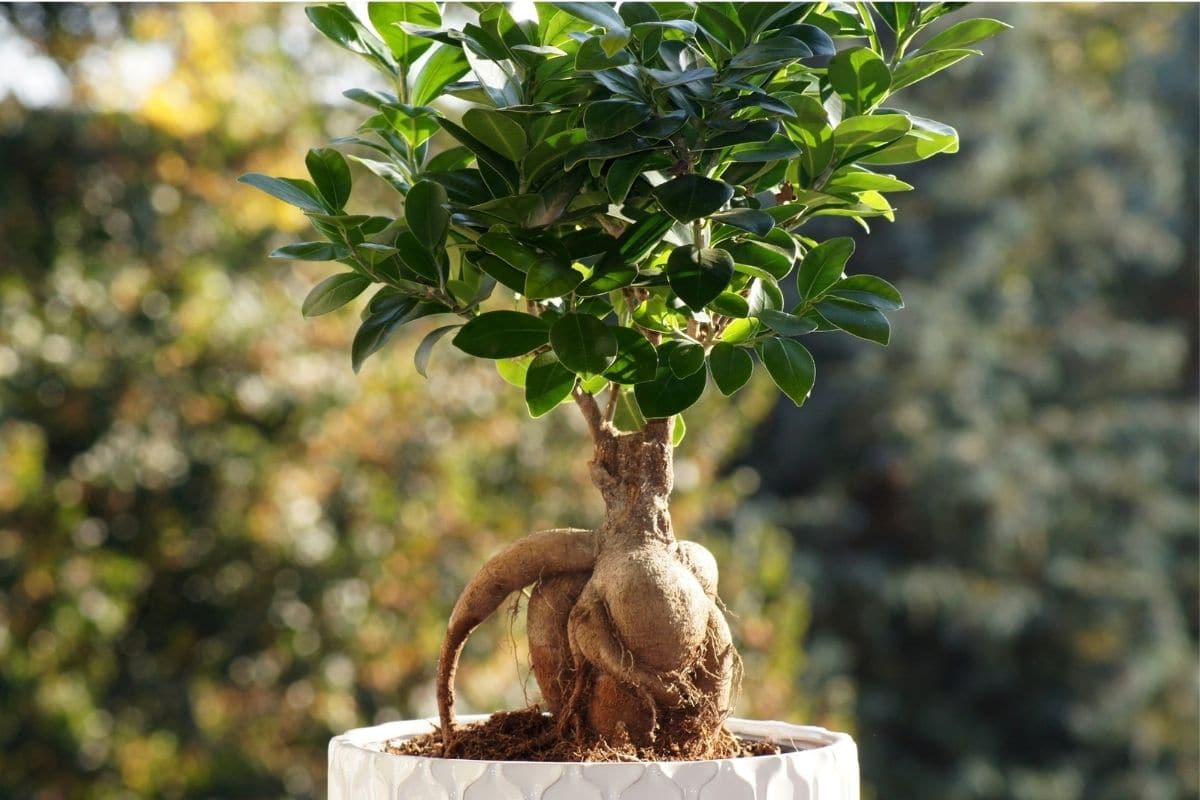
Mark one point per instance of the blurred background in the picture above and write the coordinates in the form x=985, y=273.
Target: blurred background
x=976, y=550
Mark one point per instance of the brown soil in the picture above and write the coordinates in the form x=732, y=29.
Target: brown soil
x=530, y=735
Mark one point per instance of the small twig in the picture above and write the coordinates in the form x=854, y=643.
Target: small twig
x=591, y=413
x=610, y=408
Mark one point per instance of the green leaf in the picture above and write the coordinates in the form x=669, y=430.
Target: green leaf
x=610, y=274
x=855, y=180
x=333, y=293
x=720, y=21
x=654, y=314
x=386, y=170
x=605, y=118
x=593, y=56
x=786, y=324
x=550, y=277
x=698, y=276
x=502, y=334
x=312, y=251
x=514, y=370
x=860, y=78
x=601, y=14
x=730, y=367
x=791, y=366
x=897, y=16
x=549, y=152
x=770, y=53
x=686, y=359
x=642, y=237
x=503, y=167
x=823, y=266
x=857, y=137
x=918, y=68
x=584, y=344
x=415, y=124
x=665, y=79
x=926, y=139
x=964, y=34
x=622, y=174
x=628, y=417
x=777, y=148
x=425, y=348
x=857, y=319
x=759, y=130
x=817, y=40
x=417, y=259
x=446, y=65
x=330, y=174
x=386, y=17
x=690, y=197
x=605, y=149
x=740, y=330
x=547, y=383
x=375, y=331
x=667, y=394
x=369, y=97
x=731, y=304
x=810, y=128
x=497, y=131
x=516, y=253
x=614, y=41
x=748, y=219
x=299, y=193
x=426, y=214
x=505, y=274
x=869, y=290
x=636, y=360
x=678, y=430
x=337, y=28
x=763, y=259
x=593, y=384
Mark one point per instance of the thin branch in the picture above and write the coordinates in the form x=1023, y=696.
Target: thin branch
x=591, y=413
x=610, y=408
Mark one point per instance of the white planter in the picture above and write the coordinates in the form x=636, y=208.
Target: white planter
x=824, y=766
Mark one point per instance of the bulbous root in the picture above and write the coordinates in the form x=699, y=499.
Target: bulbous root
x=517, y=566
x=616, y=641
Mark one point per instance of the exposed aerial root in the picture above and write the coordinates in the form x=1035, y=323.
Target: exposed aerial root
x=520, y=564
x=549, y=612
x=594, y=638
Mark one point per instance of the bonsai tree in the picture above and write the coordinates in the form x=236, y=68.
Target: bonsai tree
x=615, y=215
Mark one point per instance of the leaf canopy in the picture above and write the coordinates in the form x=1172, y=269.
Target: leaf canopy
x=623, y=202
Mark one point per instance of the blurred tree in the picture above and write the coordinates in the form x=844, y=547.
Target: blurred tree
x=999, y=521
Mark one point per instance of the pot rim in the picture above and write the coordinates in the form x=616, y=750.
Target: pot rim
x=804, y=739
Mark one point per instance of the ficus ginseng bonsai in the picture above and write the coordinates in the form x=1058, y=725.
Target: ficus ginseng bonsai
x=613, y=219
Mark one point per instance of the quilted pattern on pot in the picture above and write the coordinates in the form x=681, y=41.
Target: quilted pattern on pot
x=826, y=768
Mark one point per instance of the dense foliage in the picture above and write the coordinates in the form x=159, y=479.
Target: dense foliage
x=638, y=177
x=207, y=536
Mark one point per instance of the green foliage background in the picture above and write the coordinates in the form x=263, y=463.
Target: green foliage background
x=977, y=549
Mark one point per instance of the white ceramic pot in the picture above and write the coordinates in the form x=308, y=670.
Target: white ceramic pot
x=823, y=766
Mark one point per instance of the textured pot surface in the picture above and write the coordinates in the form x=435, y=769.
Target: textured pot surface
x=824, y=766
